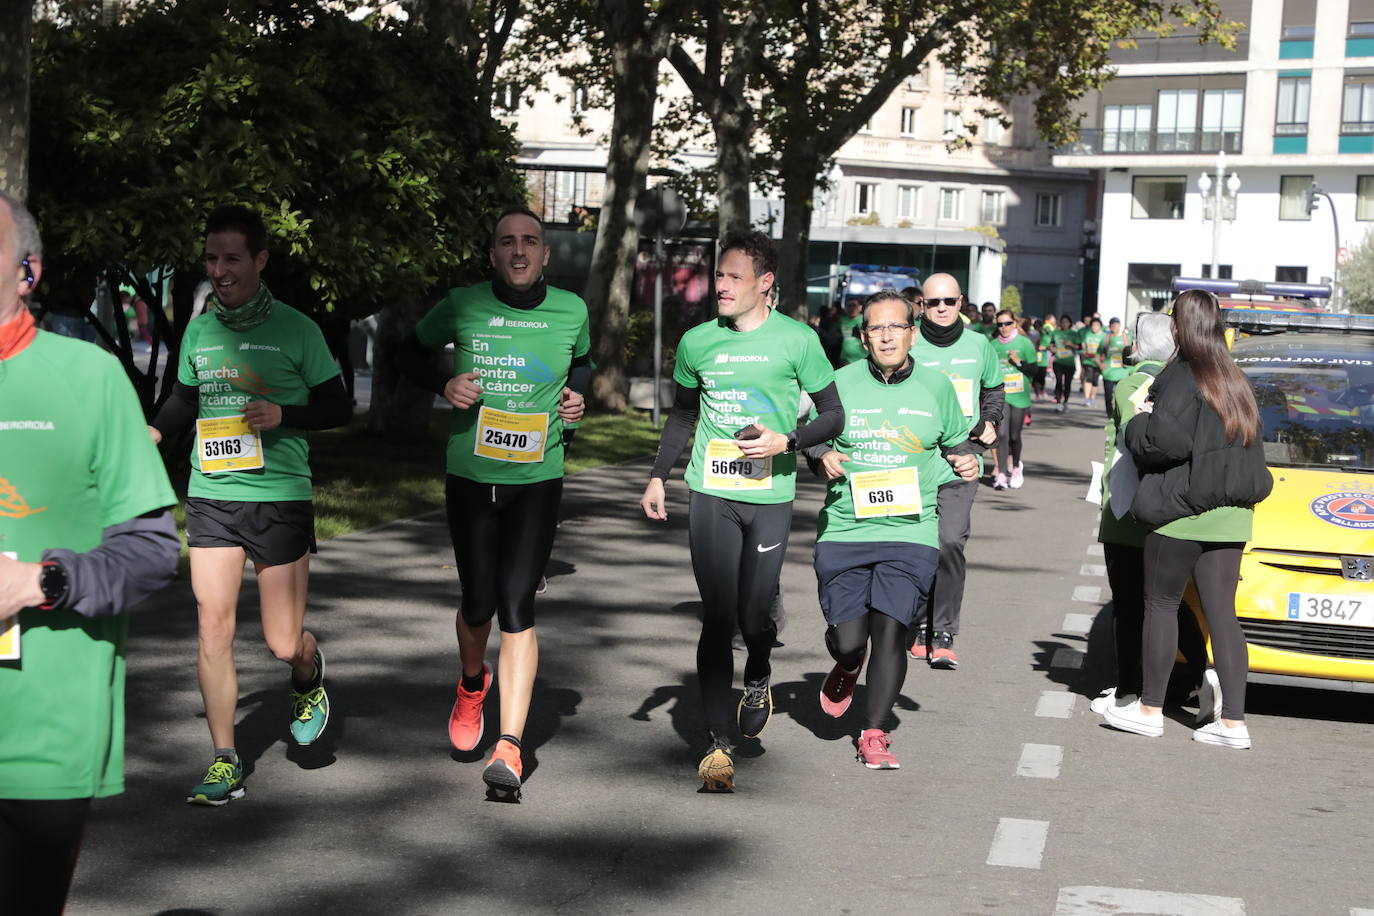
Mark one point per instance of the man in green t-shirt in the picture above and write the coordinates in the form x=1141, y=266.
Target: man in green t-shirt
x=1114, y=367
x=876, y=547
x=851, y=345
x=85, y=534
x=520, y=367
x=967, y=358
x=739, y=379
x=254, y=375
x=1094, y=341
x=1064, y=344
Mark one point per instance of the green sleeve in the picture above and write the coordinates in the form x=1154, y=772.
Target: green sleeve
x=435, y=329
x=129, y=473
x=583, y=346
x=683, y=372
x=953, y=423
x=317, y=364
x=992, y=369
x=814, y=371
x=186, y=368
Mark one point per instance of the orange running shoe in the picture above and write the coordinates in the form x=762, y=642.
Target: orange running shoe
x=465, y=721
x=503, y=771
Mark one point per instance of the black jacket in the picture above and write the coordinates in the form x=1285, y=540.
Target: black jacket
x=1186, y=464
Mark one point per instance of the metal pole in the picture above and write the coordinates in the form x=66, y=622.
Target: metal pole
x=1337, y=299
x=658, y=315
x=1219, y=191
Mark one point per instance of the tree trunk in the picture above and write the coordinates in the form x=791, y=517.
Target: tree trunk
x=16, y=38
x=399, y=409
x=734, y=129
x=635, y=71
x=799, y=170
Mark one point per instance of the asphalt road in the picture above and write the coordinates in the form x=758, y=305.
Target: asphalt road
x=1011, y=797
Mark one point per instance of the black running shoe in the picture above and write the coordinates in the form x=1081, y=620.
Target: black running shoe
x=755, y=707
x=942, y=652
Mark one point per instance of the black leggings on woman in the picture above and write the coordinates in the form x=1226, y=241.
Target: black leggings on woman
x=1215, y=567
x=1009, y=437
x=1063, y=382
x=1126, y=576
x=39, y=842
x=886, y=668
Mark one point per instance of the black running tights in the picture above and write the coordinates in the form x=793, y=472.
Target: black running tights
x=1126, y=576
x=887, y=660
x=39, y=841
x=1009, y=437
x=1063, y=382
x=1215, y=568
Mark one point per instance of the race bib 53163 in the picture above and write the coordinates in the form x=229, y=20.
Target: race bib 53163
x=227, y=444
x=728, y=469
x=506, y=436
x=883, y=493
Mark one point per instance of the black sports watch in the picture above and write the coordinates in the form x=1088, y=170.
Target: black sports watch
x=791, y=442
x=54, y=583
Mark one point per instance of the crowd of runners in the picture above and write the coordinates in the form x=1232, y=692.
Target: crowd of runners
x=899, y=434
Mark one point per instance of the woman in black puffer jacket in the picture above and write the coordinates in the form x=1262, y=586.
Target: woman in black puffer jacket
x=1200, y=453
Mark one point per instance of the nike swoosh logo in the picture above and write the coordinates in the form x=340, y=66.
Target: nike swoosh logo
x=763, y=549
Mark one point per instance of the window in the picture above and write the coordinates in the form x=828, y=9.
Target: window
x=920, y=81
x=1295, y=94
x=1299, y=32
x=1222, y=115
x=1176, y=128
x=992, y=131
x=1298, y=20
x=994, y=208
x=909, y=121
x=865, y=198
x=565, y=184
x=954, y=125
x=867, y=128
x=1126, y=128
x=1049, y=209
x=1158, y=196
x=1357, y=110
x=579, y=99
x=1223, y=271
x=1293, y=196
x=1149, y=286
x=908, y=201
x=1364, y=197
x=951, y=204
x=1361, y=30
x=508, y=97
x=955, y=80
x=1290, y=274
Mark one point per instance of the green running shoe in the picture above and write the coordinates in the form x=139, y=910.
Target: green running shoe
x=310, y=710
x=223, y=781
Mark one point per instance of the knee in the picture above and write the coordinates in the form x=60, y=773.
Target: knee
x=216, y=631
x=286, y=649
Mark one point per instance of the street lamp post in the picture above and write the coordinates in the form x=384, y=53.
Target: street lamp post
x=1215, y=193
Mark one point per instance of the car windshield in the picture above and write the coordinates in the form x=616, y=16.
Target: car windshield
x=1315, y=411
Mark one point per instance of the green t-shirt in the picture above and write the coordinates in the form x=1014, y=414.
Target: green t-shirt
x=522, y=356
x=1114, y=367
x=1015, y=379
x=748, y=377
x=1042, y=347
x=987, y=330
x=1112, y=530
x=851, y=346
x=1227, y=523
x=971, y=364
x=1064, y=346
x=77, y=459
x=1093, y=342
x=888, y=430
x=278, y=361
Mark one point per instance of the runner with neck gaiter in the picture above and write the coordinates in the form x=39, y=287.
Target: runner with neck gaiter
x=1017, y=355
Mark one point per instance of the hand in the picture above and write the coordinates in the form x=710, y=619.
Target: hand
x=832, y=462
x=654, y=502
x=155, y=434
x=262, y=415
x=19, y=586
x=462, y=391
x=1014, y=357
x=966, y=466
x=571, y=406
x=989, y=434
x=765, y=446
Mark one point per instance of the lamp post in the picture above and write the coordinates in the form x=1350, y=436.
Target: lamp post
x=1217, y=194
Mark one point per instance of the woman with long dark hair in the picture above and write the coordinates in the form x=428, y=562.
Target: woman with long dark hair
x=1201, y=458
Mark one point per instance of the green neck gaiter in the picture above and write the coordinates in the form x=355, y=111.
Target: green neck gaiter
x=247, y=316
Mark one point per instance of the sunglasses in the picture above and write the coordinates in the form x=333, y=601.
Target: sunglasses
x=1005, y=324
x=945, y=300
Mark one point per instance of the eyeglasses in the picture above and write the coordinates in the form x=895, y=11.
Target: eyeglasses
x=1005, y=324
x=945, y=300
x=884, y=328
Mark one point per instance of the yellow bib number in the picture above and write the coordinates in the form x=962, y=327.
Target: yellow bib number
x=227, y=444
x=728, y=469
x=9, y=630
x=879, y=494
x=1061, y=352
x=963, y=390
x=506, y=436
x=1013, y=383
x=1114, y=361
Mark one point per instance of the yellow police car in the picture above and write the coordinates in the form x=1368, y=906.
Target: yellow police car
x=1305, y=599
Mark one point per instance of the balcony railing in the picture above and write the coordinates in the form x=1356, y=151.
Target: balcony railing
x=1099, y=142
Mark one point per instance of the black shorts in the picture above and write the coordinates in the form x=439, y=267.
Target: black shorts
x=890, y=577
x=272, y=534
x=502, y=537
x=1091, y=374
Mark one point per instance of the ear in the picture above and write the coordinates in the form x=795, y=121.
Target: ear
x=767, y=281
x=260, y=260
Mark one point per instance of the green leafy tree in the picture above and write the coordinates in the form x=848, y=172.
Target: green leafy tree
x=1357, y=277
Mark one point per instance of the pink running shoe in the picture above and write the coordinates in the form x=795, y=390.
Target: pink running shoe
x=838, y=690
x=874, y=752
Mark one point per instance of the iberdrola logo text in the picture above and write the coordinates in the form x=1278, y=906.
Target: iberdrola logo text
x=498, y=321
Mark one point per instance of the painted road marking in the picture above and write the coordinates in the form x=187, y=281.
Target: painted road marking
x=1092, y=569
x=1355, y=911
x=1040, y=761
x=1077, y=623
x=1066, y=657
x=1055, y=704
x=1088, y=594
x=1095, y=550
x=1018, y=843
x=1107, y=901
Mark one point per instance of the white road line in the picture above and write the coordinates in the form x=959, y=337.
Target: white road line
x=1094, y=550
x=1018, y=843
x=1055, y=704
x=1077, y=623
x=1088, y=594
x=1106, y=901
x=1066, y=657
x=1092, y=569
x=1356, y=911
x=1040, y=761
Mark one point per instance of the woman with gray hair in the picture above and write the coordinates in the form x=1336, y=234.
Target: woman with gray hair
x=1123, y=538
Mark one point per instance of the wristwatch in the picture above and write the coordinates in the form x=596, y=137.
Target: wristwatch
x=791, y=442
x=52, y=579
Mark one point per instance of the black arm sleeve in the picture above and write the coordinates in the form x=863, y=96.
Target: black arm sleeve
x=992, y=405
x=580, y=374
x=829, y=420
x=179, y=411
x=329, y=406
x=681, y=423
x=135, y=559
x=420, y=365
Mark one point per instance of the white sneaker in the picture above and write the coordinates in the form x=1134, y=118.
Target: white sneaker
x=999, y=482
x=1018, y=477
x=1103, y=700
x=1209, y=698
x=1129, y=718
x=1237, y=737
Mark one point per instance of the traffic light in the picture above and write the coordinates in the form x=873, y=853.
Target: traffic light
x=1309, y=197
